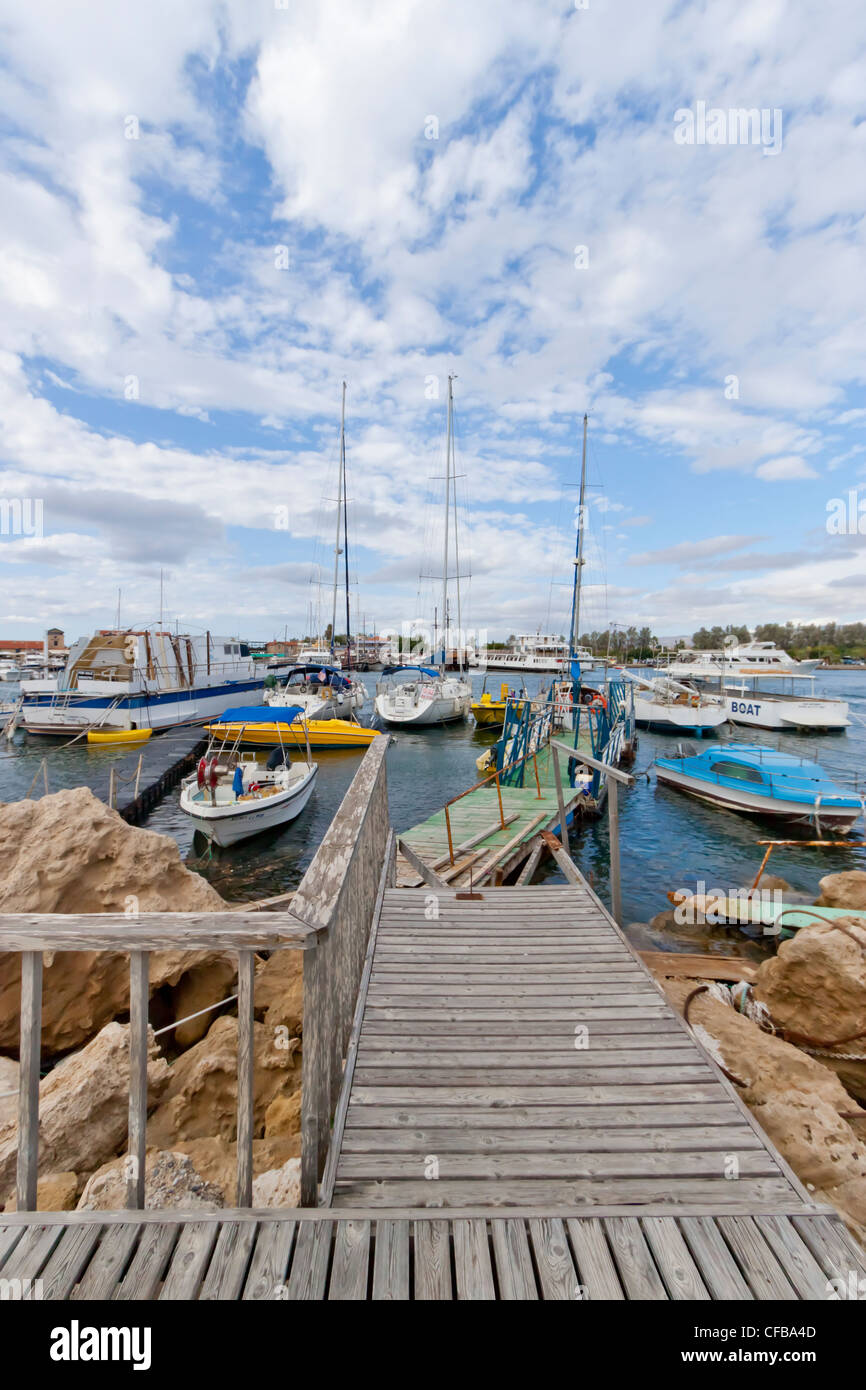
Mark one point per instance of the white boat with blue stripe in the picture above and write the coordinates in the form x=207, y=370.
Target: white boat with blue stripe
x=147, y=678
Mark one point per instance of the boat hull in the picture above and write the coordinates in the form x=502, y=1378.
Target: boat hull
x=76, y=714
x=676, y=718
x=330, y=733
x=227, y=825
x=439, y=710
x=760, y=711
x=756, y=804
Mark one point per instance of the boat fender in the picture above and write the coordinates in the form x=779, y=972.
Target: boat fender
x=200, y=771
x=212, y=773
x=278, y=757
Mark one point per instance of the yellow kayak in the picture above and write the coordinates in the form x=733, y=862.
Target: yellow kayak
x=118, y=735
x=490, y=712
x=324, y=733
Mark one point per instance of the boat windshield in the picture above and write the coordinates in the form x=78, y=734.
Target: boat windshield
x=738, y=770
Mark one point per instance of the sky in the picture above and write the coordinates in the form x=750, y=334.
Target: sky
x=213, y=213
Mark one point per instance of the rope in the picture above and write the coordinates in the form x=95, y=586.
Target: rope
x=210, y=1007
x=705, y=989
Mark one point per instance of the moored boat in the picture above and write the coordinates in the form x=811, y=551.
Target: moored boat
x=490, y=713
x=322, y=691
x=262, y=728
x=761, y=781
x=115, y=736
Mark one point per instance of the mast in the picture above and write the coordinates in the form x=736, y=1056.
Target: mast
x=578, y=559
x=447, y=516
x=337, y=547
x=346, y=535
x=456, y=550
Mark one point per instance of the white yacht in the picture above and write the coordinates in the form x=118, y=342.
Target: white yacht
x=142, y=678
x=433, y=696
x=321, y=691
x=751, y=659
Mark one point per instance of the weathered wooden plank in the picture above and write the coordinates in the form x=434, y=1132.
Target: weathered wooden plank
x=567, y=1140
x=611, y=971
x=514, y=998
x=30, y=1053
x=246, y=1077
x=681, y=1275
x=514, y=1271
x=473, y=1270
x=605, y=1030
x=590, y=1164
x=520, y=1045
x=228, y=1266
x=374, y=1059
x=431, y=1242
x=9, y=1238
x=417, y=863
x=139, y=997
x=153, y=931
x=68, y=1261
x=149, y=1263
x=719, y=1270
x=351, y=1267
x=640, y=1278
x=595, y=1266
x=391, y=1261
x=26, y=1259
x=442, y=1015
x=531, y=864
x=267, y=1274
x=591, y=991
x=103, y=1274
x=763, y=1273
x=486, y=1094
x=540, y=1118
x=699, y=967
x=549, y=1077
x=562, y=1193
x=795, y=1257
x=556, y=1272
x=189, y=1260
x=832, y=1247
x=309, y=1271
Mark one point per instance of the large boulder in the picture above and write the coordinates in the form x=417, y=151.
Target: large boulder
x=281, y=1187
x=844, y=890
x=68, y=853
x=815, y=991
x=280, y=991
x=84, y=1107
x=201, y=1096
x=799, y=1103
x=170, y=1181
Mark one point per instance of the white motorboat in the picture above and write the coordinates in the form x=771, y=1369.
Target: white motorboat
x=432, y=697
x=231, y=796
x=759, y=709
x=145, y=678
x=667, y=705
x=761, y=660
x=9, y=671
x=322, y=692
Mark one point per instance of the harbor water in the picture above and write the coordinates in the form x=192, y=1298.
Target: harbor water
x=668, y=840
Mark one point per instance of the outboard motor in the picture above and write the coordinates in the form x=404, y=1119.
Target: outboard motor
x=685, y=750
x=278, y=757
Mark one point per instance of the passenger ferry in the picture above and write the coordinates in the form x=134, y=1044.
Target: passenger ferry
x=538, y=652
x=145, y=678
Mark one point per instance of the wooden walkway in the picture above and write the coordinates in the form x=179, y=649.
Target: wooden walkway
x=515, y=1052
x=327, y=1254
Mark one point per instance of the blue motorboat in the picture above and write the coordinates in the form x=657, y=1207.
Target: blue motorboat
x=761, y=781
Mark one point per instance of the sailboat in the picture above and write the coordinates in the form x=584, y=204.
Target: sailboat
x=432, y=696
x=318, y=683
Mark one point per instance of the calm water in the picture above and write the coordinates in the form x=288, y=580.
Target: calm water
x=668, y=840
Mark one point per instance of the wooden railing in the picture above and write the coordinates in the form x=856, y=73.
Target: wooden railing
x=330, y=919
x=30, y=935
x=337, y=898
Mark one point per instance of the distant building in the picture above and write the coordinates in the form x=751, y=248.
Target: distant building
x=19, y=646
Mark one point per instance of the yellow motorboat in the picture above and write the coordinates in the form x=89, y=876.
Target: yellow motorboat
x=114, y=736
x=490, y=712
x=323, y=733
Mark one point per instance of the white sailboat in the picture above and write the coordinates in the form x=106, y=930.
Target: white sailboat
x=433, y=696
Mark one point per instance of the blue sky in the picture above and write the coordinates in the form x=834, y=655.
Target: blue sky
x=389, y=191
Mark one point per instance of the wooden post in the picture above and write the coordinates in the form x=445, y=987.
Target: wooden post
x=139, y=994
x=246, y=1076
x=613, y=827
x=28, y=1079
x=450, y=841
x=560, y=799
x=501, y=812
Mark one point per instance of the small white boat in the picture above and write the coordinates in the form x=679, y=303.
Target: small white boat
x=667, y=705
x=431, y=698
x=231, y=796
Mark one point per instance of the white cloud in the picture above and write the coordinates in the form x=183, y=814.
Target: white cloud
x=787, y=468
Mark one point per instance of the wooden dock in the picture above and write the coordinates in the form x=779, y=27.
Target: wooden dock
x=498, y=1103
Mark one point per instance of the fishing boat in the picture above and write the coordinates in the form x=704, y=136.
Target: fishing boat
x=141, y=678
x=322, y=691
x=432, y=696
x=112, y=737
x=671, y=707
x=760, y=781
x=262, y=728
x=231, y=797
x=490, y=713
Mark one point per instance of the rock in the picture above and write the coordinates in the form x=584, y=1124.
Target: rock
x=283, y=1116
x=281, y=1187
x=170, y=1181
x=84, y=1107
x=69, y=853
x=772, y=883
x=8, y=1091
x=815, y=990
x=280, y=991
x=54, y=1192
x=200, y=1100
x=216, y=1159
x=798, y=1102
x=200, y=987
x=843, y=890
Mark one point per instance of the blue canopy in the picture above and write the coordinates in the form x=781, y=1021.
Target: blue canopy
x=260, y=714
x=333, y=677
x=425, y=670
